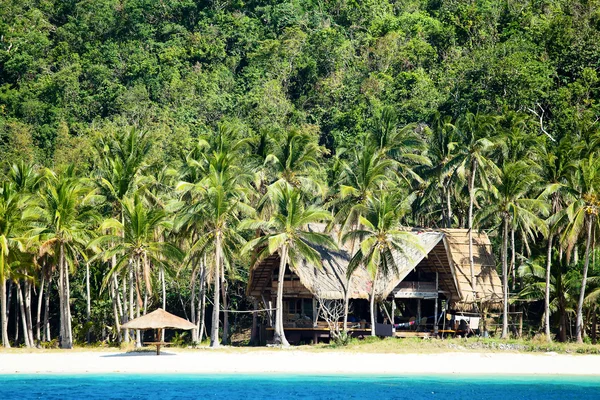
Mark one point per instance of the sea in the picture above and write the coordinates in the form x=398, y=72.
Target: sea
x=306, y=387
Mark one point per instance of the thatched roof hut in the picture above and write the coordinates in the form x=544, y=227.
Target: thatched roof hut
x=441, y=252
x=158, y=319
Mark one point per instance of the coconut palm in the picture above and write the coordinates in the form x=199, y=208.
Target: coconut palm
x=582, y=215
x=510, y=202
x=120, y=159
x=403, y=145
x=475, y=142
x=65, y=227
x=381, y=237
x=557, y=162
x=138, y=245
x=366, y=173
x=221, y=201
x=12, y=207
x=295, y=160
x=286, y=233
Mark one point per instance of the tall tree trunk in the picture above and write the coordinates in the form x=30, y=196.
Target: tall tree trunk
x=193, y=307
x=47, y=335
x=513, y=257
x=117, y=310
x=225, y=338
x=202, y=302
x=505, y=279
x=279, y=333
x=448, y=206
x=130, y=306
x=88, y=308
x=470, y=227
x=38, y=325
x=65, y=341
x=214, y=329
x=27, y=298
x=23, y=316
x=547, y=290
x=4, y=310
x=579, y=323
x=373, y=311
x=67, y=287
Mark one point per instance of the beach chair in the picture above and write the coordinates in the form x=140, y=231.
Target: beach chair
x=422, y=325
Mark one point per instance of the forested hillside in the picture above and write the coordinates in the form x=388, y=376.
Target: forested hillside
x=141, y=141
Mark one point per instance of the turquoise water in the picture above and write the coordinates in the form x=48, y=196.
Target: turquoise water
x=164, y=387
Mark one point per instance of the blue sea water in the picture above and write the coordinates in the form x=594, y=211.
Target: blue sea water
x=164, y=387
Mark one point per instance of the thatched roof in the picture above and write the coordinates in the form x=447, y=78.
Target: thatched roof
x=488, y=287
x=329, y=282
x=443, y=251
x=158, y=319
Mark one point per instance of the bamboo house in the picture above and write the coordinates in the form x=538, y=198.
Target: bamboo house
x=432, y=281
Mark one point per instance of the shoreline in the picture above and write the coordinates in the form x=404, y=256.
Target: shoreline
x=216, y=362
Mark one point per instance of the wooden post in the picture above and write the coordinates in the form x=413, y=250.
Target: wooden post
x=393, y=311
x=158, y=339
x=594, y=325
x=418, y=311
x=521, y=324
x=435, y=312
x=254, y=334
x=314, y=304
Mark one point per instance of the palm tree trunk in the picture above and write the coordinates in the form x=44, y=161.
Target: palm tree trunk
x=471, y=202
x=279, y=333
x=373, y=311
x=47, y=335
x=65, y=340
x=214, y=329
x=505, y=279
x=449, y=207
x=225, y=339
x=547, y=290
x=23, y=316
x=131, y=304
x=513, y=257
x=117, y=310
x=27, y=298
x=579, y=323
x=193, y=319
x=3, y=304
x=202, y=302
x=38, y=325
x=88, y=308
x=68, y=327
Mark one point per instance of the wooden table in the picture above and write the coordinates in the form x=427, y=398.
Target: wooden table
x=157, y=344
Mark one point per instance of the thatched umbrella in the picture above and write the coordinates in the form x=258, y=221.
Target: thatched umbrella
x=159, y=320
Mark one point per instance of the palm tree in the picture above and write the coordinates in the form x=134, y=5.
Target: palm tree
x=221, y=201
x=367, y=172
x=287, y=233
x=138, y=244
x=557, y=167
x=381, y=237
x=295, y=160
x=12, y=207
x=582, y=215
x=403, y=145
x=475, y=132
x=67, y=211
x=510, y=202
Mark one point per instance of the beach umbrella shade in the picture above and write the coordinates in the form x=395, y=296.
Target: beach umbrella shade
x=158, y=319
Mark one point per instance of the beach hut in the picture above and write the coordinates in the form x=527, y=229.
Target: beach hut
x=158, y=319
x=426, y=276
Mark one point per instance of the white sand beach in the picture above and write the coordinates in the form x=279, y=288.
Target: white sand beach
x=294, y=361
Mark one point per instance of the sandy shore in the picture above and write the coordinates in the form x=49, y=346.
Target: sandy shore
x=294, y=361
